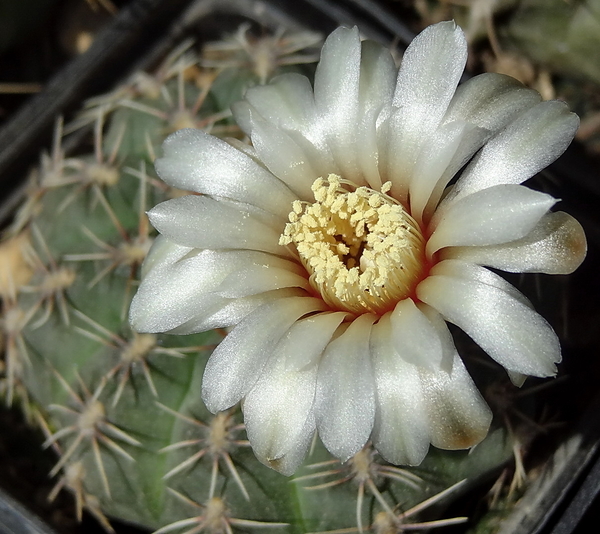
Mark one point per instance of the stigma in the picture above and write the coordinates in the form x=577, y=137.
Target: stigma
x=362, y=249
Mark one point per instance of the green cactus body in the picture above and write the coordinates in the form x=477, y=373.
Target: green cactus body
x=574, y=28
x=123, y=410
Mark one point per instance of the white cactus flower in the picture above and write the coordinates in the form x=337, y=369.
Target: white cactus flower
x=336, y=250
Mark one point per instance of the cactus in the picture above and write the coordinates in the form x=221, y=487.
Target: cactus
x=123, y=410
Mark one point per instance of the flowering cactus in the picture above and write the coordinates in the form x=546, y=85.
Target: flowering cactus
x=334, y=248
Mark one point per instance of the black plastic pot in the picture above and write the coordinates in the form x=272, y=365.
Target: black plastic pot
x=16, y=519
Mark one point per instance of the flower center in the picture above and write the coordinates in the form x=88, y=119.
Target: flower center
x=362, y=249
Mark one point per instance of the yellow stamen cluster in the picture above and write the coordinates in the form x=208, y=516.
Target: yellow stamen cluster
x=363, y=251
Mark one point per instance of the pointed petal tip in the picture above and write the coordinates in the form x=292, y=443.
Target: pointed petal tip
x=187, y=136
x=517, y=379
x=448, y=27
x=136, y=322
x=143, y=318
x=338, y=45
x=343, y=31
x=288, y=462
x=211, y=399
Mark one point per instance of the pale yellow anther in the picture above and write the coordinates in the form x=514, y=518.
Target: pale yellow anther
x=363, y=251
x=375, y=201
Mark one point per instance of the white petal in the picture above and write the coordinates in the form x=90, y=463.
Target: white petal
x=163, y=252
x=244, y=148
x=260, y=277
x=377, y=76
x=401, y=428
x=377, y=80
x=414, y=337
x=345, y=400
x=287, y=102
x=221, y=312
x=181, y=289
x=459, y=417
x=282, y=156
x=173, y=293
x=316, y=332
x=470, y=142
x=470, y=272
x=337, y=82
x=444, y=335
x=236, y=364
x=518, y=379
x=367, y=150
x=418, y=405
x=430, y=71
x=306, y=144
x=203, y=222
x=196, y=161
x=291, y=460
x=490, y=101
x=557, y=245
x=442, y=155
x=495, y=215
x=523, y=148
x=277, y=408
x=508, y=330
